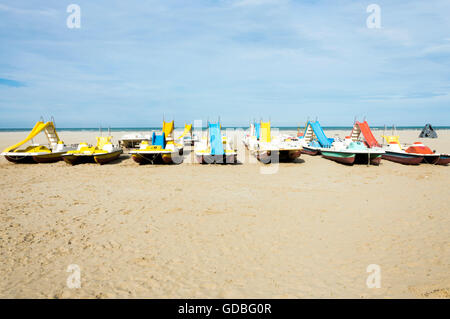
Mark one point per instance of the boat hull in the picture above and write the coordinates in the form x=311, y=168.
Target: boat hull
x=74, y=159
x=106, y=158
x=20, y=159
x=217, y=159
x=310, y=151
x=444, y=159
x=282, y=155
x=99, y=159
x=154, y=158
x=375, y=159
x=340, y=157
x=403, y=158
x=431, y=159
x=44, y=158
x=50, y=158
x=368, y=158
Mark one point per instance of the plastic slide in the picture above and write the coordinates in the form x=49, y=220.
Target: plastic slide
x=159, y=139
x=265, y=132
x=367, y=133
x=187, y=130
x=38, y=128
x=216, y=140
x=319, y=133
x=257, y=130
x=168, y=128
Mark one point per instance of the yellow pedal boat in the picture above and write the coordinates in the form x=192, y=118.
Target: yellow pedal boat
x=104, y=152
x=38, y=153
x=163, y=150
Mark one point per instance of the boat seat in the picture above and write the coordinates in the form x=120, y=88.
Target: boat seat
x=392, y=139
x=103, y=140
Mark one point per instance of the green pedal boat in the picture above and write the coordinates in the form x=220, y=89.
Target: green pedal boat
x=348, y=152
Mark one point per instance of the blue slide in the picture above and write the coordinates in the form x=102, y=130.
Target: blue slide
x=323, y=140
x=257, y=130
x=215, y=139
x=159, y=140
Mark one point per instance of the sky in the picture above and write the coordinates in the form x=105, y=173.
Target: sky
x=132, y=62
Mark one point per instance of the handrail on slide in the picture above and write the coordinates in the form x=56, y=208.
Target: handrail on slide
x=319, y=133
x=38, y=128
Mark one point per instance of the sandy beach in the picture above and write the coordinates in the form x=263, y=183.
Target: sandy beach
x=203, y=231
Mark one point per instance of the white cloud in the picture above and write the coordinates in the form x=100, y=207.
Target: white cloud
x=237, y=55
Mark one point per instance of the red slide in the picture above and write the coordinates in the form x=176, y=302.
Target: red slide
x=368, y=135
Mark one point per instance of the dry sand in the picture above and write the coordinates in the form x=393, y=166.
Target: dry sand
x=187, y=231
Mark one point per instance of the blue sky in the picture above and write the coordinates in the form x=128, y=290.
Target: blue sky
x=133, y=61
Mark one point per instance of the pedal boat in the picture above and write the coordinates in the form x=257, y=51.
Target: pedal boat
x=156, y=154
x=38, y=153
x=104, y=152
x=412, y=154
x=162, y=150
x=204, y=155
x=394, y=153
x=131, y=141
x=284, y=148
x=349, y=152
x=215, y=148
x=429, y=156
x=313, y=139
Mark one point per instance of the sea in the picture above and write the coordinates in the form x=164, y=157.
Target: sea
x=281, y=128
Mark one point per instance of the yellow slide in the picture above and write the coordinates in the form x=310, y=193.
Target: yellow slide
x=38, y=153
x=168, y=129
x=265, y=132
x=38, y=128
x=187, y=130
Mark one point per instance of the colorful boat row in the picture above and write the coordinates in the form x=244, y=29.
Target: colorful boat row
x=214, y=147
x=161, y=148
x=362, y=147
